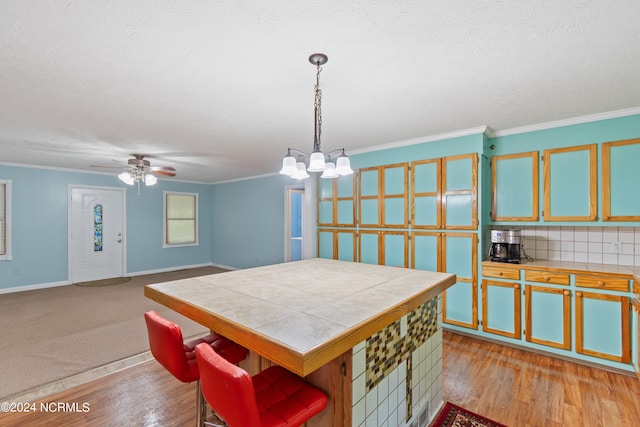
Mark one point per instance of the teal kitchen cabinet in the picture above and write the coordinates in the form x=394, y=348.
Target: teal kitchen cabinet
x=548, y=309
x=337, y=244
x=383, y=196
x=603, y=319
x=426, y=206
x=621, y=180
x=384, y=247
x=570, y=184
x=444, y=193
x=337, y=202
x=548, y=316
x=454, y=253
x=501, y=312
x=460, y=192
x=514, y=187
x=425, y=250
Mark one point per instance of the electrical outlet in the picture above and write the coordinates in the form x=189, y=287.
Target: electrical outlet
x=16, y=270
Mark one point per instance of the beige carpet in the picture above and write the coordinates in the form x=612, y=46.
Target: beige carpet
x=50, y=334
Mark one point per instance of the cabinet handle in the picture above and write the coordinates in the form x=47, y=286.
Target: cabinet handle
x=517, y=286
x=547, y=278
x=500, y=273
x=600, y=283
x=567, y=293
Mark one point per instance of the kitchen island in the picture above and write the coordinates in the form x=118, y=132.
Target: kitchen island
x=368, y=335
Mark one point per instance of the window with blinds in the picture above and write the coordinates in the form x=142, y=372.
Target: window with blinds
x=180, y=219
x=5, y=220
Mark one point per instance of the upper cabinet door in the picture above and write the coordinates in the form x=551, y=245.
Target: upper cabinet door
x=514, y=187
x=425, y=194
x=570, y=179
x=336, y=202
x=621, y=180
x=384, y=196
x=460, y=192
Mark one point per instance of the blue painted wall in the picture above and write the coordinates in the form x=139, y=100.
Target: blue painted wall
x=248, y=221
x=40, y=225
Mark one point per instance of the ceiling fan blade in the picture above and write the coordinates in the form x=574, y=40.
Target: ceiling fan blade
x=162, y=172
x=163, y=168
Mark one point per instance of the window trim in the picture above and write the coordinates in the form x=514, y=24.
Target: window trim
x=165, y=223
x=7, y=256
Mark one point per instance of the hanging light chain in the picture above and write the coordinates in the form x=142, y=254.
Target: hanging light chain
x=318, y=108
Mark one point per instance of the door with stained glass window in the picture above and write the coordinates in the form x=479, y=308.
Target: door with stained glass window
x=96, y=234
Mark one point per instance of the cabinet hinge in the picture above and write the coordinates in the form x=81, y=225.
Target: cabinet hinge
x=542, y=157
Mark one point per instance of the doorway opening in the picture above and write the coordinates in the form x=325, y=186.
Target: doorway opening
x=294, y=220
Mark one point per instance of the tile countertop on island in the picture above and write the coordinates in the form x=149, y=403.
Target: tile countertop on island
x=626, y=271
x=301, y=314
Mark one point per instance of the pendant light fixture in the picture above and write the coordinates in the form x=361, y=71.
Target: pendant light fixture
x=295, y=165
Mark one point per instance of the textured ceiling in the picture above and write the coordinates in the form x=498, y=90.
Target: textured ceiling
x=220, y=89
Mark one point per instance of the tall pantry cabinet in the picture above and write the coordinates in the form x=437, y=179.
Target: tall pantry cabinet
x=420, y=214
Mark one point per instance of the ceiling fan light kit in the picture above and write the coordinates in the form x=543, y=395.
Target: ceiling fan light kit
x=140, y=170
x=295, y=166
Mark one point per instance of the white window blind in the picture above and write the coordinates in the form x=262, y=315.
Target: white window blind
x=181, y=219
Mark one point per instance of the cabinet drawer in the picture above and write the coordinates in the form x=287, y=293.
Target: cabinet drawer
x=547, y=277
x=501, y=272
x=603, y=282
x=636, y=288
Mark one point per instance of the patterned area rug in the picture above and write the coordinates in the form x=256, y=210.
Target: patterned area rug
x=454, y=416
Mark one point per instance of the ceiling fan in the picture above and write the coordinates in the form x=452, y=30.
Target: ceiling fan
x=139, y=170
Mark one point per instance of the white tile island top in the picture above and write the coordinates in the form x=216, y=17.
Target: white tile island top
x=303, y=314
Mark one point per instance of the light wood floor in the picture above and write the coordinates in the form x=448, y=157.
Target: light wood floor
x=511, y=386
x=520, y=389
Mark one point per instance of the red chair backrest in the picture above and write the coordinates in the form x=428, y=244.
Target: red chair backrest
x=227, y=388
x=167, y=346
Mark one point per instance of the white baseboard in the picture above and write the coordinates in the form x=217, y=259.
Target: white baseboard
x=33, y=287
x=137, y=273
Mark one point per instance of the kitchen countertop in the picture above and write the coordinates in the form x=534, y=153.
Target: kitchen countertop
x=301, y=314
x=629, y=272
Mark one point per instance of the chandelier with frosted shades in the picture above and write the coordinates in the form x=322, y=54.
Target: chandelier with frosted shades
x=332, y=164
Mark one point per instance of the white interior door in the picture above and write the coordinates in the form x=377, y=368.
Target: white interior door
x=96, y=234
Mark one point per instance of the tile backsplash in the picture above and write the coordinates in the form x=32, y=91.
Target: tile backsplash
x=599, y=245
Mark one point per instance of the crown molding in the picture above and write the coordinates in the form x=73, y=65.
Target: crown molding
x=421, y=140
x=565, y=122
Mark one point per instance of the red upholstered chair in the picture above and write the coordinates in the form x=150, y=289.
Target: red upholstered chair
x=177, y=357
x=273, y=398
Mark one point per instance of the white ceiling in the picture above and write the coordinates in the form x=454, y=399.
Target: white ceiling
x=220, y=89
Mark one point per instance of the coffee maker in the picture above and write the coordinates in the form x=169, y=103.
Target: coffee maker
x=505, y=246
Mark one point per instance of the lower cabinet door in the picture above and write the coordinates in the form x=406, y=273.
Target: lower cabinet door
x=548, y=316
x=501, y=312
x=460, y=302
x=602, y=326
x=459, y=305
